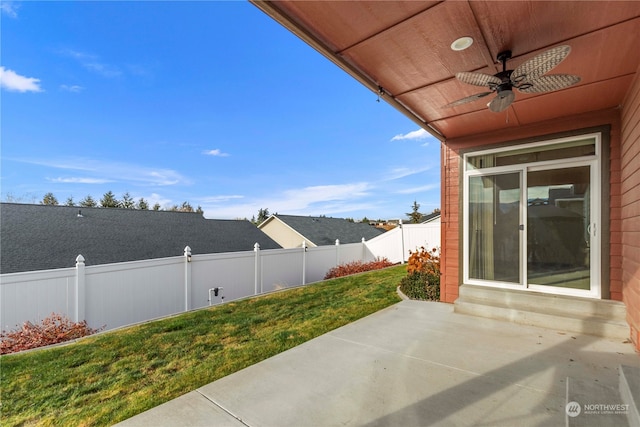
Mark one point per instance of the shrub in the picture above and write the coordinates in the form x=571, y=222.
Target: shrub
x=426, y=261
x=54, y=329
x=357, y=267
x=421, y=286
x=422, y=281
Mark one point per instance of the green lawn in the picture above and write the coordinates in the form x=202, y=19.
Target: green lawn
x=112, y=376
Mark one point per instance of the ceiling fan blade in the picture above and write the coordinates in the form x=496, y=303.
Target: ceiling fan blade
x=502, y=101
x=540, y=64
x=468, y=99
x=478, y=79
x=549, y=83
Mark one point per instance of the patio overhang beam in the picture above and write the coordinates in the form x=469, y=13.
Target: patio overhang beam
x=272, y=10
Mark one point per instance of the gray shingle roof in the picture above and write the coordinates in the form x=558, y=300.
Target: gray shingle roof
x=324, y=231
x=425, y=218
x=38, y=237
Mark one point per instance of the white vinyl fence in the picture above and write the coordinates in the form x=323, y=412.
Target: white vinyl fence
x=395, y=244
x=115, y=295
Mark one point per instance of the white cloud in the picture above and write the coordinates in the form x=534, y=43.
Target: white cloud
x=92, y=63
x=115, y=171
x=220, y=199
x=403, y=172
x=311, y=200
x=103, y=69
x=156, y=198
x=71, y=88
x=80, y=56
x=14, y=82
x=414, y=135
x=324, y=193
x=421, y=189
x=79, y=180
x=216, y=152
x=9, y=9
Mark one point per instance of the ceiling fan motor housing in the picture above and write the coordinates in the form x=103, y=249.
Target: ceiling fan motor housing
x=504, y=90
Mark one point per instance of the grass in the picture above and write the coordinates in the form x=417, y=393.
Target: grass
x=106, y=378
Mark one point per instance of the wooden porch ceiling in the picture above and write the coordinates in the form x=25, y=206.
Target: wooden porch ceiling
x=404, y=48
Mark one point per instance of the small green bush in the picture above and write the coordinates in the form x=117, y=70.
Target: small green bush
x=421, y=286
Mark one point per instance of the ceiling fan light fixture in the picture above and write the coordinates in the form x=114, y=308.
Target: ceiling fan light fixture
x=461, y=44
x=502, y=101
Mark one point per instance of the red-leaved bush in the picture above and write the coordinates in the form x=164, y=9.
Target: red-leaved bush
x=357, y=267
x=54, y=329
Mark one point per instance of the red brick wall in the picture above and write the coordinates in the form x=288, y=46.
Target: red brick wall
x=630, y=208
x=450, y=225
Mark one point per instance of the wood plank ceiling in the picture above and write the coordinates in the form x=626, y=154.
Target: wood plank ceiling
x=404, y=47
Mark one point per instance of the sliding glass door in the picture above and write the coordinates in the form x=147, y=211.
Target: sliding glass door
x=494, y=234
x=530, y=217
x=559, y=228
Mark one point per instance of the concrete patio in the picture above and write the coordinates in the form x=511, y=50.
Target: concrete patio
x=420, y=364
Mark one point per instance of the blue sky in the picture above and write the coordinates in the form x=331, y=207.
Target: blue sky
x=212, y=103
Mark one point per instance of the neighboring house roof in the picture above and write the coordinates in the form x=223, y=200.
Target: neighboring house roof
x=430, y=218
x=39, y=237
x=322, y=231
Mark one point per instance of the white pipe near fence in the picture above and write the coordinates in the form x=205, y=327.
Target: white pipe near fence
x=115, y=295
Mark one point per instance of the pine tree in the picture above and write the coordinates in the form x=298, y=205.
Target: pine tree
x=88, y=202
x=142, y=204
x=127, y=201
x=109, y=200
x=49, y=199
x=415, y=215
x=263, y=214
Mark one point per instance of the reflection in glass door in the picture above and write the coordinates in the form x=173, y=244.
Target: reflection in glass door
x=558, y=227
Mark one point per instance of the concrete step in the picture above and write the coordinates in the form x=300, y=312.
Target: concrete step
x=604, y=318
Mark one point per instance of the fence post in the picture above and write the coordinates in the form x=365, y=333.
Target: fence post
x=80, y=290
x=337, y=252
x=187, y=278
x=304, y=262
x=256, y=249
x=364, y=251
x=402, y=238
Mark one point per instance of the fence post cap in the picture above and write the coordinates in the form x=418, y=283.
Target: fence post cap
x=79, y=259
x=337, y=241
x=187, y=250
x=256, y=246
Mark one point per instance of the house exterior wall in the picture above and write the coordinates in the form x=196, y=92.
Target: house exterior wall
x=452, y=150
x=284, y=235
x=629, y=194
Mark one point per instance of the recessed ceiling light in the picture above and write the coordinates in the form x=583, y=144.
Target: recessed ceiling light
x=462, y=43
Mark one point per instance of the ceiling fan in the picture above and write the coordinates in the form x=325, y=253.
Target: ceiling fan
x=528, y=77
